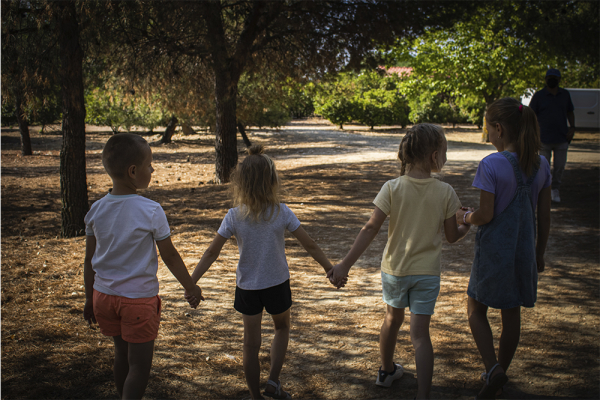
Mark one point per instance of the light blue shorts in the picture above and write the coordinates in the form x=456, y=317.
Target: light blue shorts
x=417, y=292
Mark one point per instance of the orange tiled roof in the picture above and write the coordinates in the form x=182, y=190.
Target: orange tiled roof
x=400, y=71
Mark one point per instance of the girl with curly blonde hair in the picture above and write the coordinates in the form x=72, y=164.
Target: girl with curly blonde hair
x=258, y=221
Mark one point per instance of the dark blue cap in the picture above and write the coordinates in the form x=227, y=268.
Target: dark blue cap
x=553, y=72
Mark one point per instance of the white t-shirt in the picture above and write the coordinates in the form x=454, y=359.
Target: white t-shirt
x=126, y=228
x=262, y=247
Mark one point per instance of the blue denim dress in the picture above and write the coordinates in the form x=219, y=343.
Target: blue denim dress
x=504, y=272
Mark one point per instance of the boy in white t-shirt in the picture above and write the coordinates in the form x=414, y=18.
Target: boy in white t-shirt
x=121, y=286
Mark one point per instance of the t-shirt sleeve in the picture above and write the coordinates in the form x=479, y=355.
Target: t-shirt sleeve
x=453, y=204
x=227, y=228
x=383, y=200
x=291, y=221
x=160, y=225
x=484, y=177
x=545, y=169
x=89, y=226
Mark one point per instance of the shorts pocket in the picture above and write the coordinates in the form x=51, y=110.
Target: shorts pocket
x=134, y=312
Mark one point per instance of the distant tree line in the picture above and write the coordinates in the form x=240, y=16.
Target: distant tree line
x=227, y=65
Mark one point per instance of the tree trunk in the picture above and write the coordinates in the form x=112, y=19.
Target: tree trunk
x=23, y=128
x=243, y=133
x=187, y=130
x=225, y=126
x=166, y=138
x=73, y=185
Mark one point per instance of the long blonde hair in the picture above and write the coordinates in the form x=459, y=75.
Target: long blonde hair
x=521, y=125
x=419, y=142
x=255, y=185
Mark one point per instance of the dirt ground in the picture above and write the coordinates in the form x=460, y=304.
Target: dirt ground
x=330, y=179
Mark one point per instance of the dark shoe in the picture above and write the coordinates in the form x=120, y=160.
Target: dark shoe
x=492, y=384
x=278, y=393
x=385, y=379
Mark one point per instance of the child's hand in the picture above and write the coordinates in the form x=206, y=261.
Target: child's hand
x=541, y=263
x=460, y=214
x=338, y=276
x=88, y=313
x=194, y=296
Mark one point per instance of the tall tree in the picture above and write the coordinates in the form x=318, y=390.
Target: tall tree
x=73, y=185
x=28, y=60
x=217, y=41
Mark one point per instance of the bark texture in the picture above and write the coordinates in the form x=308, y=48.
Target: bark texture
x=23, y=128
x=73, y=185
x=167, y=136
x=242, y=130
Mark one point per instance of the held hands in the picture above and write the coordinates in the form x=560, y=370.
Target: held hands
x=194, y=296
x=338, y=276
x=460, y=215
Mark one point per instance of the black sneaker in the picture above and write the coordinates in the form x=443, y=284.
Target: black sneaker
x=385, y=379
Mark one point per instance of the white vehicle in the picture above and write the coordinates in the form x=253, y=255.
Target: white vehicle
x=586, y=103
x=587, y=107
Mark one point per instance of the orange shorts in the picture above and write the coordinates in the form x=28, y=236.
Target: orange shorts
x=135, y=320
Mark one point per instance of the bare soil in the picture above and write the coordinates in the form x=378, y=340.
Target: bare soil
x=330, y=178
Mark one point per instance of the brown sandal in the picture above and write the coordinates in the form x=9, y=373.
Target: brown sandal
x=492, y=385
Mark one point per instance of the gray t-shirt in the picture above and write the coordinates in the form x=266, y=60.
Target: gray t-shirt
x=262, y=247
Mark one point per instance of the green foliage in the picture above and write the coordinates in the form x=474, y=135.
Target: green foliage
x=263, y=100
x=473, y=107
x=379, y=101
x=38, y=111
x=431, y=107
x=114, y=108
x=299, y=99
x=338, y=110
x=475, y=62
x=370, y=98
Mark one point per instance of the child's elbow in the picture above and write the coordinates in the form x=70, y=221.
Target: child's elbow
x=372, y=230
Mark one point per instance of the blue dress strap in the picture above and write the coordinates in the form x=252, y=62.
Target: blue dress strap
x=517, y=170
x=516, y=167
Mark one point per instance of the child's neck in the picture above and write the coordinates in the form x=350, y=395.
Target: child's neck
x=121, y=188
x=511, y=147
x=419, y=171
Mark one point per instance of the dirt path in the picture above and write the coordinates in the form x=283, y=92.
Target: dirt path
x=330, y=180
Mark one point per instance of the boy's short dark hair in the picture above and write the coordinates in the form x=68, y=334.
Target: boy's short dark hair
x=121, y=151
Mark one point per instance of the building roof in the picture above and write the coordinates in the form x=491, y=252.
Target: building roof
x=400, y=71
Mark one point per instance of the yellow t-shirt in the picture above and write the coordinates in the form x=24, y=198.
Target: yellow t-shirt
x=417, y=209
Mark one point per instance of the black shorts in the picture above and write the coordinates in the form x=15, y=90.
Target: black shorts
x=275, y=299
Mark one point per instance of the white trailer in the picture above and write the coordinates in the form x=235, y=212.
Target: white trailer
x=587, y=106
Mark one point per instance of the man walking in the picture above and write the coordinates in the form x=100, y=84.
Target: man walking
x=553, y=107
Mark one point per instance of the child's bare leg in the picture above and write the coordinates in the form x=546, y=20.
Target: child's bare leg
x=252, y=341
x=140, y=362
x=509, y=339
x=419, y=335
x=394, y=317
x=279, y=345
x=482, y=333
x=121, y=366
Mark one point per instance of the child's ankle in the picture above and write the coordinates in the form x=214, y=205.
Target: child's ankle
x=389, y=371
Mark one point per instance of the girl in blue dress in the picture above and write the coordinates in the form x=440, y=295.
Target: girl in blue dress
x=508, y=256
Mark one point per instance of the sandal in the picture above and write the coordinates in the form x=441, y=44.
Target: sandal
x=500, y=391
x=492, y=384
x=278, y=393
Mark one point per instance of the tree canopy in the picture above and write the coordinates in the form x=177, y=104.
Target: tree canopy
x=185, y=49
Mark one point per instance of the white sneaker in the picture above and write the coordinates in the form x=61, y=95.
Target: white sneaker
x=555, y=196
x=385, y=379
